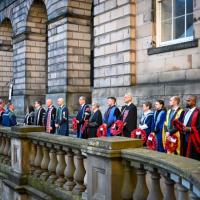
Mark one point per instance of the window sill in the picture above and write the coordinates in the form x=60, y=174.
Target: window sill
x=174, y=47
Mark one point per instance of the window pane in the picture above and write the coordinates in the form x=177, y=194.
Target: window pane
x=179, y=27
x=166, y=28
x=179, y=8
x=166, y=9
x=189, y=28
x=189, y=6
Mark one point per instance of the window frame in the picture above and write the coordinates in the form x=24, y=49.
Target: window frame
x=159, y=24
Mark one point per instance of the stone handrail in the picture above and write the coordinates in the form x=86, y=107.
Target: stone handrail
x=183, y=172
x=45, y=166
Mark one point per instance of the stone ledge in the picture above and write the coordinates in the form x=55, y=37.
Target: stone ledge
x=174, y=47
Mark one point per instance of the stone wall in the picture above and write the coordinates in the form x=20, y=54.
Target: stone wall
x=6, y=57
x=53, y=52
x=157, y=76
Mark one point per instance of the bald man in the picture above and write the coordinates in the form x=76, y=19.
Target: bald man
x=191, y=132
x=62, y=123
x=129, y=115
x=50, y=117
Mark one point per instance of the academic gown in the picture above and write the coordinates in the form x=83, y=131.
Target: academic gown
x=53, y=118
x=9, y=118
x=39, y=117
x=62, y=120
x=111, y=116
x=158, y=123
x=146, y=123
x=1, y=114
x=190, y=145
x=94, y=122
x=129, y=117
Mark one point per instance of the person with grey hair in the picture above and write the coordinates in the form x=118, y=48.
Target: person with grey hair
x=129, y=115
x=95, y=121
x=62, y=121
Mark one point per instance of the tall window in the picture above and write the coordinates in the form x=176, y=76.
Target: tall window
x=175, y=21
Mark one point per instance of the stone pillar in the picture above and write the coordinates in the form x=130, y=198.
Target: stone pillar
x=105, y=166
x=20, y=167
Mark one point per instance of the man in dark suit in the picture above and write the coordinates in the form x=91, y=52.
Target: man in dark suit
x=129, y=115
x=191, y=137
x=82, y=115
x=39, y=114
x=50, y=117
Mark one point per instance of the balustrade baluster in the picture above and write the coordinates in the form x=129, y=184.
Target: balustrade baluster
x=169, y=192
x=60, y=168
x=182, y=192
x=127, y=188
x=155, y=191
x=45, y=163
x=5, y=151
x=79, y=173
x=3, y=142
x=69, y=171
x=9, y=153
x=38, y=160
x=52, y=166
x=32, y=157
x=141, y=190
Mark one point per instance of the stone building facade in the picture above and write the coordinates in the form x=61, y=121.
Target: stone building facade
x=100, y=48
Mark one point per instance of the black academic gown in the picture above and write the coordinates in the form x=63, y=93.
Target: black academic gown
x=129, y=117
x=53, y=118
x=94, y=122
x=39, y=117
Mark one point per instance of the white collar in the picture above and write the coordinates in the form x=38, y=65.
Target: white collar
x=192, y=109
x=147, y=112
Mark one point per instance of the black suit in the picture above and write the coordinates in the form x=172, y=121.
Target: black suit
x=129, y=117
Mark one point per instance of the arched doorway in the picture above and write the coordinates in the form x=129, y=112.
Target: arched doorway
x=6, y=58
x=36, y=52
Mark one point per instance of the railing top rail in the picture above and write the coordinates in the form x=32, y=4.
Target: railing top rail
x=185, y=168
x=42, y=137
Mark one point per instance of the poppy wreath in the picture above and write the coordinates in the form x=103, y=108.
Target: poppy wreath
x=84, y=126
x=117, y=128
x=152, y=142
x=171, y=144
x=102, y=131
x=180, y=126
x=74, y=124
x=139, y=133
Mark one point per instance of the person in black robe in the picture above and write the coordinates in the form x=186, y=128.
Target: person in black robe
x=82, y=116
x=50, y=117
x=129, y=115
x=62, y=118
x=29, y=117
x=39, y=114
x=95, y=121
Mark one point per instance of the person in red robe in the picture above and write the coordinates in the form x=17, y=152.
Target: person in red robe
x=191, y=130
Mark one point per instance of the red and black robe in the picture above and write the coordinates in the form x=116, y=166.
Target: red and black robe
x=191, y=140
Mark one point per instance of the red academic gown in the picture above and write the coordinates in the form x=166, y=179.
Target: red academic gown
x=191, y=140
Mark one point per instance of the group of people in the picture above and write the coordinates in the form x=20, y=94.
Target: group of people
x=176, y=125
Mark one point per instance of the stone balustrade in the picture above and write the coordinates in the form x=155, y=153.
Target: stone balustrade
x=181, y=176
x=36, y=165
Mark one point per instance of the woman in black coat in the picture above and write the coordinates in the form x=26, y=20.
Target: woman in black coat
x=95, y=121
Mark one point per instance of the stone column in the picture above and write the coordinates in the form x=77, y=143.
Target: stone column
x=105, y=168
